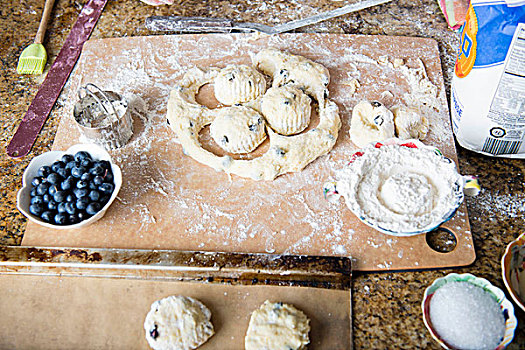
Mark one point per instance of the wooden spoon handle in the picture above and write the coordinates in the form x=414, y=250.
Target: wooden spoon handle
x=39, y=38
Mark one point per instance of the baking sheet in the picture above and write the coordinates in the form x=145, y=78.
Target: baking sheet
x=101, y=313
x=169, y=201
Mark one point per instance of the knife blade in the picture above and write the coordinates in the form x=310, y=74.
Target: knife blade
x=37, y=113
x=223, y=25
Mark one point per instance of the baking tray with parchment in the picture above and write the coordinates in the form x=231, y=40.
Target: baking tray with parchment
x=103, y=313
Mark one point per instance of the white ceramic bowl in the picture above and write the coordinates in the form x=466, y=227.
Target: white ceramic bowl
x=506, y=306
x=512, y=261
x=24, y=198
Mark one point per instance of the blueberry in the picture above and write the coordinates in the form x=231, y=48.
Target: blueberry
x=106, y=188
x=47, y=216
x=70, y=208
x=70, y=198
x=109, y=177
x=47, y=197
x=81, y=192
x=86, y=177
x=61, y=219
x=81, y=215
x=104, y=164
x=86, y=163
x=73, y=219
x=58, y=165
x=44, y=171
x=82, y=203
x=93, y=208
x=68, y=183
x=78, y=171
x=72, y=164
x=80, y=156
x=53, y=178
x=37, y=200
x=93, y=186
x=33, y=192
x=94, y=195
x=97, y=170
x=36, y=209
x=82, y=184
x=60, y=196
x=98, y=180
x=63, y=172
x=52, y=190
x=52, y=205
x=66, y=158
x=42, y=189
x=36, y=181
x=61, y=207
x=104, y=199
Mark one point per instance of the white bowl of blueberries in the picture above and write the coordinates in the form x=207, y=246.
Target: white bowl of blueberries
x=71, y=189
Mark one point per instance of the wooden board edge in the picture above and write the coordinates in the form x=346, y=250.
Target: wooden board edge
x=192, y=266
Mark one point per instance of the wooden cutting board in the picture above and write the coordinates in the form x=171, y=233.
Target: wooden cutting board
x=170, y=201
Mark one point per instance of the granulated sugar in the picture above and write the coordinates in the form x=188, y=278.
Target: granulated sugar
x=467, y=317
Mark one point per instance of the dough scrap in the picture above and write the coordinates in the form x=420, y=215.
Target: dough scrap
x=238, y=129
x=238, y=84
x=285, y=153
x=277, y=326
x=371, y=121
x=409, y=123
x=295, y=70
x=178, y=323
x=287, y=109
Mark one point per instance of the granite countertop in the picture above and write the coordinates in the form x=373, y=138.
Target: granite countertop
x=386, y=306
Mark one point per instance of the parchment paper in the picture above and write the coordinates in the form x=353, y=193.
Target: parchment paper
x=49, y=312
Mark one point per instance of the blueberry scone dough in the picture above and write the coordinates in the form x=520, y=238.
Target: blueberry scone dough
x=409, y=123
x=277, y=326
x=238, y=84
x=178, y=323
x=285, y=153
x=371, y=121
x=286, y=109
x=238, y=129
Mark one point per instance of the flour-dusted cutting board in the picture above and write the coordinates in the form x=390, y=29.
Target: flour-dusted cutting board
x=170, y=201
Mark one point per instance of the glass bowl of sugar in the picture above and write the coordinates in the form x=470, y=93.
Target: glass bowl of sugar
x=463, y=311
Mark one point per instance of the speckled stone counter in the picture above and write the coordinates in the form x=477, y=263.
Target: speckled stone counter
x=386, y=306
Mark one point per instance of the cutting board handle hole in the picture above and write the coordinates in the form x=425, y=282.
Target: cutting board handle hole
x=442, y=240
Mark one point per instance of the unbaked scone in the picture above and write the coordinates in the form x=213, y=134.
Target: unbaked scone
x=287, y=109
x=238, y=84
x=295, y=70
x=277, y=326
x=371, y=121
x=178, y=323
x=409, y=123
x=238, y=129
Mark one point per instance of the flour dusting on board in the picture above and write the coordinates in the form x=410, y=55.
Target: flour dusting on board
x=168, y=200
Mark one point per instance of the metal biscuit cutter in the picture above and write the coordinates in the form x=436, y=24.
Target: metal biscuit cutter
x=103, y=117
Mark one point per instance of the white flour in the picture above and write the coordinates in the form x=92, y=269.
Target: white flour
x=399, y=188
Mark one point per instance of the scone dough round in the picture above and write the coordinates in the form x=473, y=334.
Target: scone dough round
x=277, y=326
x=238, y=84
x=178, y=323
x=238, y=129
x=371, y=121
x=295, y=70
x=285, y=153
x=409, y=123
x=287, y=109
